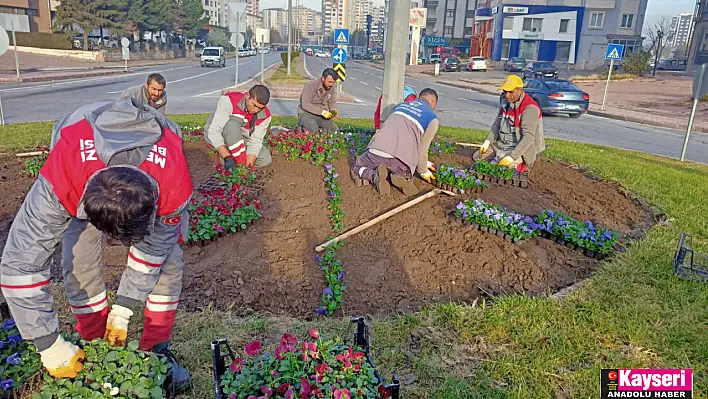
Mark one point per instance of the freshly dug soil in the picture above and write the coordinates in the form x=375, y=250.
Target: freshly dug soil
x=419, y=256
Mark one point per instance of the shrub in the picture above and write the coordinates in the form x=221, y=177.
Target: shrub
x=637, y=63
x=284, y=56
x=58, y=41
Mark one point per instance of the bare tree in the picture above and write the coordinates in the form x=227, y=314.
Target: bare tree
x=659, y=30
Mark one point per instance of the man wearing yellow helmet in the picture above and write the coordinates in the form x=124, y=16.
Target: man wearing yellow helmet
x=516, y=136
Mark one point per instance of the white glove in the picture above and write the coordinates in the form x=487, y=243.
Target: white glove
x=63, y=359
x=485, y=147
x=117, y=325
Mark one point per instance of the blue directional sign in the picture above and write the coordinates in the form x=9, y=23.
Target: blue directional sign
x=614, y=52
x=341, y=36
x=339, y=55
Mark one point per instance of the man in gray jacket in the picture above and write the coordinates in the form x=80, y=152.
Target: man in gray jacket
x=115, y=169
x=400, y=147
x=318, y=104
x=152, y=93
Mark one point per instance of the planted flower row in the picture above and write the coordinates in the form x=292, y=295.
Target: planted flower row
x=110, y=372
x=316, y=148
x=333, y=294
x=574, y=233
x=316, y=368
x=19, y=360
x=495, y=219
x=458, y=180
x=493, y=173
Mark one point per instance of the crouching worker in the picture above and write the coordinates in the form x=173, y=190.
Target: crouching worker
x=400, y=147
x=115, y=169
x=238, y=127
x=516, y=137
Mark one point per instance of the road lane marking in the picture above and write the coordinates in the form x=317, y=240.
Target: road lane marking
x=206, y=73
x=207, y=94
x=467, y=99
x=378, y=88
x=364, y=83
x=114, y=92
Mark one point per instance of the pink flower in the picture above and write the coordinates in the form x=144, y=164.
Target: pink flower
x=289, y=394
x=253, y=348
x=266, y=390
x=314, y=333
x=274, y=373
x=305, y=387
x=236, y=365
x=321, y=369
x=342, y=394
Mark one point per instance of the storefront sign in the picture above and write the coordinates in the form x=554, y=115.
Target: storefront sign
x=434, y=41
x=418, y=17
x=495, y=10
x=531, y=35
x=516, y=10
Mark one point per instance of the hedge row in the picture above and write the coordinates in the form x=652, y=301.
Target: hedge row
x=58, y=41
x=284, y=56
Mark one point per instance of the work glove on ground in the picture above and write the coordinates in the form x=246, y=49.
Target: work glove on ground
x=432, y=167
x=63, y=359
x=327, y=115
x=485, y=147
x=117, y=325
x=506, y=161
x=229, y=163
x=428, y=176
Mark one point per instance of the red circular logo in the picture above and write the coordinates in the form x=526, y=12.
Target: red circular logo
x=612, y=375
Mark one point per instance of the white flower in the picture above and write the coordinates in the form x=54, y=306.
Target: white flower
x=107, y=385
x=114, y=391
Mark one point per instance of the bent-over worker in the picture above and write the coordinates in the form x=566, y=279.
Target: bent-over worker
x=318, y=104
x=516, y=136
x=238, y=127
x=400, y=147
x=115, y=169
x=152, y=93
x=408, y=96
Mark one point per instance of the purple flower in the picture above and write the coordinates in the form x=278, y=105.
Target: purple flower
x=2, y=344
x=318, y=259
x=322, y=311
x=352, y=151
x=336, y=175
x=328, y=167
x=461, y=206
x=14, y=359
x=550, y=214
x=340, y=275
x=15, y=339
x=7, y=384
x=218, y=228
x=478, y=182
x=327, y=292
x=9, y=323
x=333, y=194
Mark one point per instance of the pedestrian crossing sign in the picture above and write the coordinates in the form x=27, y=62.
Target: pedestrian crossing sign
x=614, y=52
x=341, y=36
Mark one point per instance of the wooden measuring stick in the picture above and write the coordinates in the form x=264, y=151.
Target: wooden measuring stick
x=383, y=217
x=30, y=154
x=469, y=145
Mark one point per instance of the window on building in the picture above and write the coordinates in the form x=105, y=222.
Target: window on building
x=563, y=51
x=505, y=48
x=450, y=13
x=508, y=23
x=469, y=14
x=597, y=20
x=564, y=26
x=206, y=2
x=532, y=24
x=448, y=30
x=468, y=32
x=627, y=20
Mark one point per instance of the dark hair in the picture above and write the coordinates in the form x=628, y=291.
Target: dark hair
x=428, y=92
x=120, y=202
x=260, y=93
x=329, y=72
x=157, y=78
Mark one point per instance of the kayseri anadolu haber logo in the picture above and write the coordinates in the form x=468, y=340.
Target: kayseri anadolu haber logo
x=646, y=383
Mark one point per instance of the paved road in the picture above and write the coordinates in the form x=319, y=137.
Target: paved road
x=193, y=90
x=466, y=108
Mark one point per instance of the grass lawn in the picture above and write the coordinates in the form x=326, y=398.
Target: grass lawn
x=281, y=74
x=632, y=312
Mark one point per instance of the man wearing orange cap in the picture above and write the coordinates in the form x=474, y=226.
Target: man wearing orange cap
x=516, y=137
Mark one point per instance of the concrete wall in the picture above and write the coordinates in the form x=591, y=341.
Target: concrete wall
x=95, y=56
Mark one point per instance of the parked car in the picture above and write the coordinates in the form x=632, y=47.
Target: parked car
x=539, y=70
x=322, y=54
x=435, y=58
x=451, y=64
x=477, y=64
x=515, y=64
x=309, y=51
x=558, y=96
x=672, y=65
x=213, y=56
x=242, y=52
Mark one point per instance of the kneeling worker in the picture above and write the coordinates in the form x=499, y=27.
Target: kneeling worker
x=516, y=136
x=318, y=104
x=152, y=93
x=401, y=146
x=115, y=169
x=238, y=126
x=408, y=96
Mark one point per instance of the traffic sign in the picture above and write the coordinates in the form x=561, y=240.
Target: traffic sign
x=341, y=70
x=125, y=53
x=614, y=52
x=341, y=36
x=125, y=42
x=339, y=55
x=237, y=40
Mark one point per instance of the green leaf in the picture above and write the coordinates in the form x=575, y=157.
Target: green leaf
x=156, y=393
x=111, y=356
x=133, y=345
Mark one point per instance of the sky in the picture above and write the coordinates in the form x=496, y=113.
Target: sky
x=655, y=10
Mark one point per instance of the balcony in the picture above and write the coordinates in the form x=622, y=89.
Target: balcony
x=431, y=3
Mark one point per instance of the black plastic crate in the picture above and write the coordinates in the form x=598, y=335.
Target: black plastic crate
x=689, y=264
x=222, y=356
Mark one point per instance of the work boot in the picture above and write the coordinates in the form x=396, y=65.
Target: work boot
x=380, y=181
x=358, y=181
x=180, y=381
x=406, y=185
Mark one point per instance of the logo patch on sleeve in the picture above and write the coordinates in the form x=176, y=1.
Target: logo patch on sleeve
x=172, y=221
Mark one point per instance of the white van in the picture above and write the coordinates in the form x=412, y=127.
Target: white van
x=213, y=56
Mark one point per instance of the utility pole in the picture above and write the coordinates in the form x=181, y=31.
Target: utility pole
x=290, y=33
x=395, y=57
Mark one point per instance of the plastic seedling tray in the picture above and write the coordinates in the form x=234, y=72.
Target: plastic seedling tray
x=689, y=264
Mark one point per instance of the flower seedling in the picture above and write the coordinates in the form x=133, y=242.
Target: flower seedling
x=442, y=147
x=316, y=148
x=478, y=212
x=19, y=360
x=583, y=234
x=316, y=368
x=34, y=164
x=333, y=294
x=493, y=170
x=110, y=372
x=447, y=175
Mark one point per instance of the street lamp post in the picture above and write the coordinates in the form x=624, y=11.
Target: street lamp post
x=659, y=34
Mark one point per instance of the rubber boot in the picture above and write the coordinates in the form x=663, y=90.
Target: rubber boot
x=181, y=379
x=406, y=185
x=380, y=181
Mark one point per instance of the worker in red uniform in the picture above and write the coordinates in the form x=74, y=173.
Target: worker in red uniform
x=115, y=169
x=516, y=137
x=409, y=95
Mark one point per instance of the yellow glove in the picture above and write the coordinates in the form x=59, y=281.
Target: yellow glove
x=327, y=114
x=506, y=161
x=334, y=113
x=432, y=167
x=428, y=176
x=117, y=325
x=63, y=359
x=485, y=147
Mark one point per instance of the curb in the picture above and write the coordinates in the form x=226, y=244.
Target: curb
x=60, y=77
x=634, y=119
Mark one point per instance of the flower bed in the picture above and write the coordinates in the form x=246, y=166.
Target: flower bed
x=34, y=164
x=225, y=207
x=495, y=219
x=192, y=133
x=575, y=234
x=493, y=173
x=442, y=147
x=316, y=148
x=111, y=372
x=317, y=368
x=19, y=361
x=459, y=181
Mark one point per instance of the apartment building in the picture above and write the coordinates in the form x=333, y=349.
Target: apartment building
x=253, y=7
x=680, y=30
x=26, y=15
x=307, y=21
x=450, y=22
x=216, y=12
x=276, y=18
x=334, y=13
